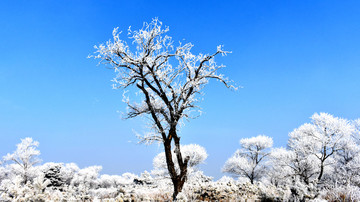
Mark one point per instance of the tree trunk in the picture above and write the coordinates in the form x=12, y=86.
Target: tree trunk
x=324, y=156
x=178, y=179
x=178, y=185
x=321, y=171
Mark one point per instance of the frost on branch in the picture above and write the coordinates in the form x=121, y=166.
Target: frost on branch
x=169, y=78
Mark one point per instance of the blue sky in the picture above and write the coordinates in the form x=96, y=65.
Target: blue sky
x=293, y=58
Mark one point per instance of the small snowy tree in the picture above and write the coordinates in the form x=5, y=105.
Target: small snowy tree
x=249, y=161
x=281, y=168
x=169, y=81
x=291, y=171
x=25, y=157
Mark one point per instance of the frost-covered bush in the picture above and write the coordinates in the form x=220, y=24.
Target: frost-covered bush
x=196, y=153
x=53, y=173
x=4, y=173
x=86, y=178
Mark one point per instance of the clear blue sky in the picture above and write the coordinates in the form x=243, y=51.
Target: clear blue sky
x=293, y=58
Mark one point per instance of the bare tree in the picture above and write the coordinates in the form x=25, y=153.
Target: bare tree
x=169, y=80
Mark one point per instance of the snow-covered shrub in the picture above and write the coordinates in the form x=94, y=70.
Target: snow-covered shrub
x=68, y=172
x=53, y=173
x=4, y=173
x=108, y=181
x=86, y=177
x=196, y=153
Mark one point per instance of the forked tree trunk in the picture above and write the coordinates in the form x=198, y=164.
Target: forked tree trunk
x=178, y=179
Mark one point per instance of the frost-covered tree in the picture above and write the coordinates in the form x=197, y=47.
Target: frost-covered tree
x=347, y=167
x=281, y=168
x=249, y=161
x=291, y=171
x=168, y=80
x=321, y=154
x=315, y=144
x=24, y=158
